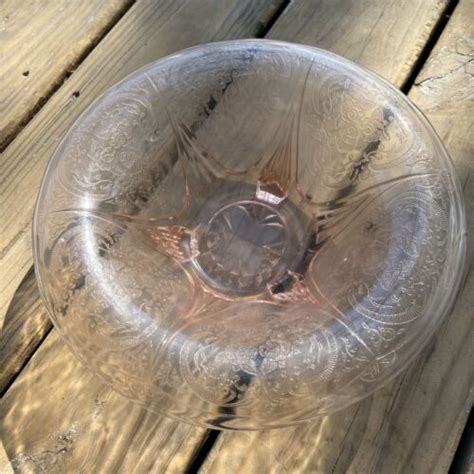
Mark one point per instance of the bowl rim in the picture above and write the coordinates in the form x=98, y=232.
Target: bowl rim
x=458, y=241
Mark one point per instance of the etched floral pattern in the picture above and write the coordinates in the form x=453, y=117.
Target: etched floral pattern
x=256, y=228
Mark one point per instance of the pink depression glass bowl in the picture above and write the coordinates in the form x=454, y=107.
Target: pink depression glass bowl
x=249, y=234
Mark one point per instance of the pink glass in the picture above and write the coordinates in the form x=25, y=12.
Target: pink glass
x=249, y=234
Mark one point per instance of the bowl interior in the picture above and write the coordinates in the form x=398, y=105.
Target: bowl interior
x=249, y=234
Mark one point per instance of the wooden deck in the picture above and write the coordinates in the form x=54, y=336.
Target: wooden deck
x=57, y=57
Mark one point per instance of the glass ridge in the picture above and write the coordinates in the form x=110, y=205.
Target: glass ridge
x=249, y=234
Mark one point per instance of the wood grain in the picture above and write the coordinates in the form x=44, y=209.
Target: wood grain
x=158, y=31
x=26, y=324
x=414, y=424
x=385, y=36
x=42, y=41
x=463, y=462
x=24, y=160
x=309, y=448
x=149, y=30
x=59, y=418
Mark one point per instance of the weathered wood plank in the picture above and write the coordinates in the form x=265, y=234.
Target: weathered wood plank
x=56, y=416
x=23, y=162
x=25, y=159
x=268, y=453
x=41, y=42
x=158, y=29
x=148, y=31
x=385, y=36
x=463, y=462
x=26, y=324
x=414, y=424
x=59, y=418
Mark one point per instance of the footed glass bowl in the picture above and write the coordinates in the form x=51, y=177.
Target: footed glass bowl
x=249, y=234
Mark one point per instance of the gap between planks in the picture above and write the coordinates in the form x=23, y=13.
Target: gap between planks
x=406, y=86
x=406, y=444
x=63, y=76
x=233, y=18
x=266, y=14
x=264, y=24
x=207, y=445
x=433, y=38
